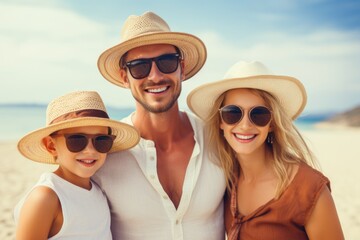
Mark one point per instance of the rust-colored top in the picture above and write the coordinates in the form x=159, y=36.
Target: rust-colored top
x=283, y=218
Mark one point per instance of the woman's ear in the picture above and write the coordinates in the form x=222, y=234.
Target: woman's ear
x=50, y=145
x=221, y=125
x=271, y=127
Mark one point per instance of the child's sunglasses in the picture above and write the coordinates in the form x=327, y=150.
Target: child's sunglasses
x=77, y=142
x=232, y=114
x=140, y=68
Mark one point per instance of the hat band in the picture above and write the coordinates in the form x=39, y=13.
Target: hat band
x=80, y=113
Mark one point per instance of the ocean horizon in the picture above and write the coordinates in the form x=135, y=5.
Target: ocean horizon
x=19, y=119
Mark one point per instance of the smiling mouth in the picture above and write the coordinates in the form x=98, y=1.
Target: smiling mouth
x=244, y=137
x=157, y=90
x=87, y=163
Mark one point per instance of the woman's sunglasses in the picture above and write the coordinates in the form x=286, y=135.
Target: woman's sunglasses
x=77, y=142
x=140, y=68
x=232, y=114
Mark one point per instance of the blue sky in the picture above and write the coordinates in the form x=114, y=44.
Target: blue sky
x=50, y=47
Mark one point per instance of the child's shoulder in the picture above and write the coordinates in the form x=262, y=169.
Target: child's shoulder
x=41, y=204
x=43, y=196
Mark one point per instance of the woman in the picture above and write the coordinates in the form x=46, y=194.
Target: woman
x=274, y=191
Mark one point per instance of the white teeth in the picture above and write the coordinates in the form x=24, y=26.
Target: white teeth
x=157, y=90
x=244, y=137
x=87, y=161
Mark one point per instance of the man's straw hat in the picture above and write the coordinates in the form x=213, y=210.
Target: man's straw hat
x=148, y=29
x=76, y=109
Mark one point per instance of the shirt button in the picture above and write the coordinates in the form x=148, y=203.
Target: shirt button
x=152, y=158
x=177, y=221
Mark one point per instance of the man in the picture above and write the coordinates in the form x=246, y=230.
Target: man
x=166, y=187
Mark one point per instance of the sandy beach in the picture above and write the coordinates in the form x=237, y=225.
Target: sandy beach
x=337, y=150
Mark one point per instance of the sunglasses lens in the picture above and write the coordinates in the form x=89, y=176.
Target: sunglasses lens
x=103, y=143
x=167, y=63
x=139, y=68
x=76, y=143
x=260, y=116
x=231, y=114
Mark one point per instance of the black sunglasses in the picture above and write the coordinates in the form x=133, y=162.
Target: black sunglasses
x=77, y=142
x=232, y=114
x=140, y=68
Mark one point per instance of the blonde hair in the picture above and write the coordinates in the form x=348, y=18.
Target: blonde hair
x=288, y=145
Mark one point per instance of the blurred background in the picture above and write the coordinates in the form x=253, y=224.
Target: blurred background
x=50, y=47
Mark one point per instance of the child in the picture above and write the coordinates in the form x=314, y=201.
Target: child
x=66, y=204
x=274, y=191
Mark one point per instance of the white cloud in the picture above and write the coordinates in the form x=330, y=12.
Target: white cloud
x=51, y=50
x=325, y=61
x=47, y=51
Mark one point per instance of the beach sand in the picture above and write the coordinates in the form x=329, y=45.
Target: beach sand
x=338, y=152
x=17, y=175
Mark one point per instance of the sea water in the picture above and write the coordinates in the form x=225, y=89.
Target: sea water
x=18, y=120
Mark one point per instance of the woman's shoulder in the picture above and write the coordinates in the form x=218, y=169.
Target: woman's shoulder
x=303, y=191
x=305, y=181
x=308, y=181
x=310, y=173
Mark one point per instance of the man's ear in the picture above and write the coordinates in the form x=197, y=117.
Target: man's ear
x=50, y=145
x=182, y=68
x=124, y=78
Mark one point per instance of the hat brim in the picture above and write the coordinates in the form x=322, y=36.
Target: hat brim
x=31, y=145
x=288, y=90
x=192, y=48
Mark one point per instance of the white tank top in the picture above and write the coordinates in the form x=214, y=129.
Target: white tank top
x=86, y=212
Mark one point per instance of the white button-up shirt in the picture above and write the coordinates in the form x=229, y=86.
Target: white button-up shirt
x=141, y=209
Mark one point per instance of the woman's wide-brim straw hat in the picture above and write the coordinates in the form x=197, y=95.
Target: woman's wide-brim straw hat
x=289, y=91
x=148, y=29
x=76, y=109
